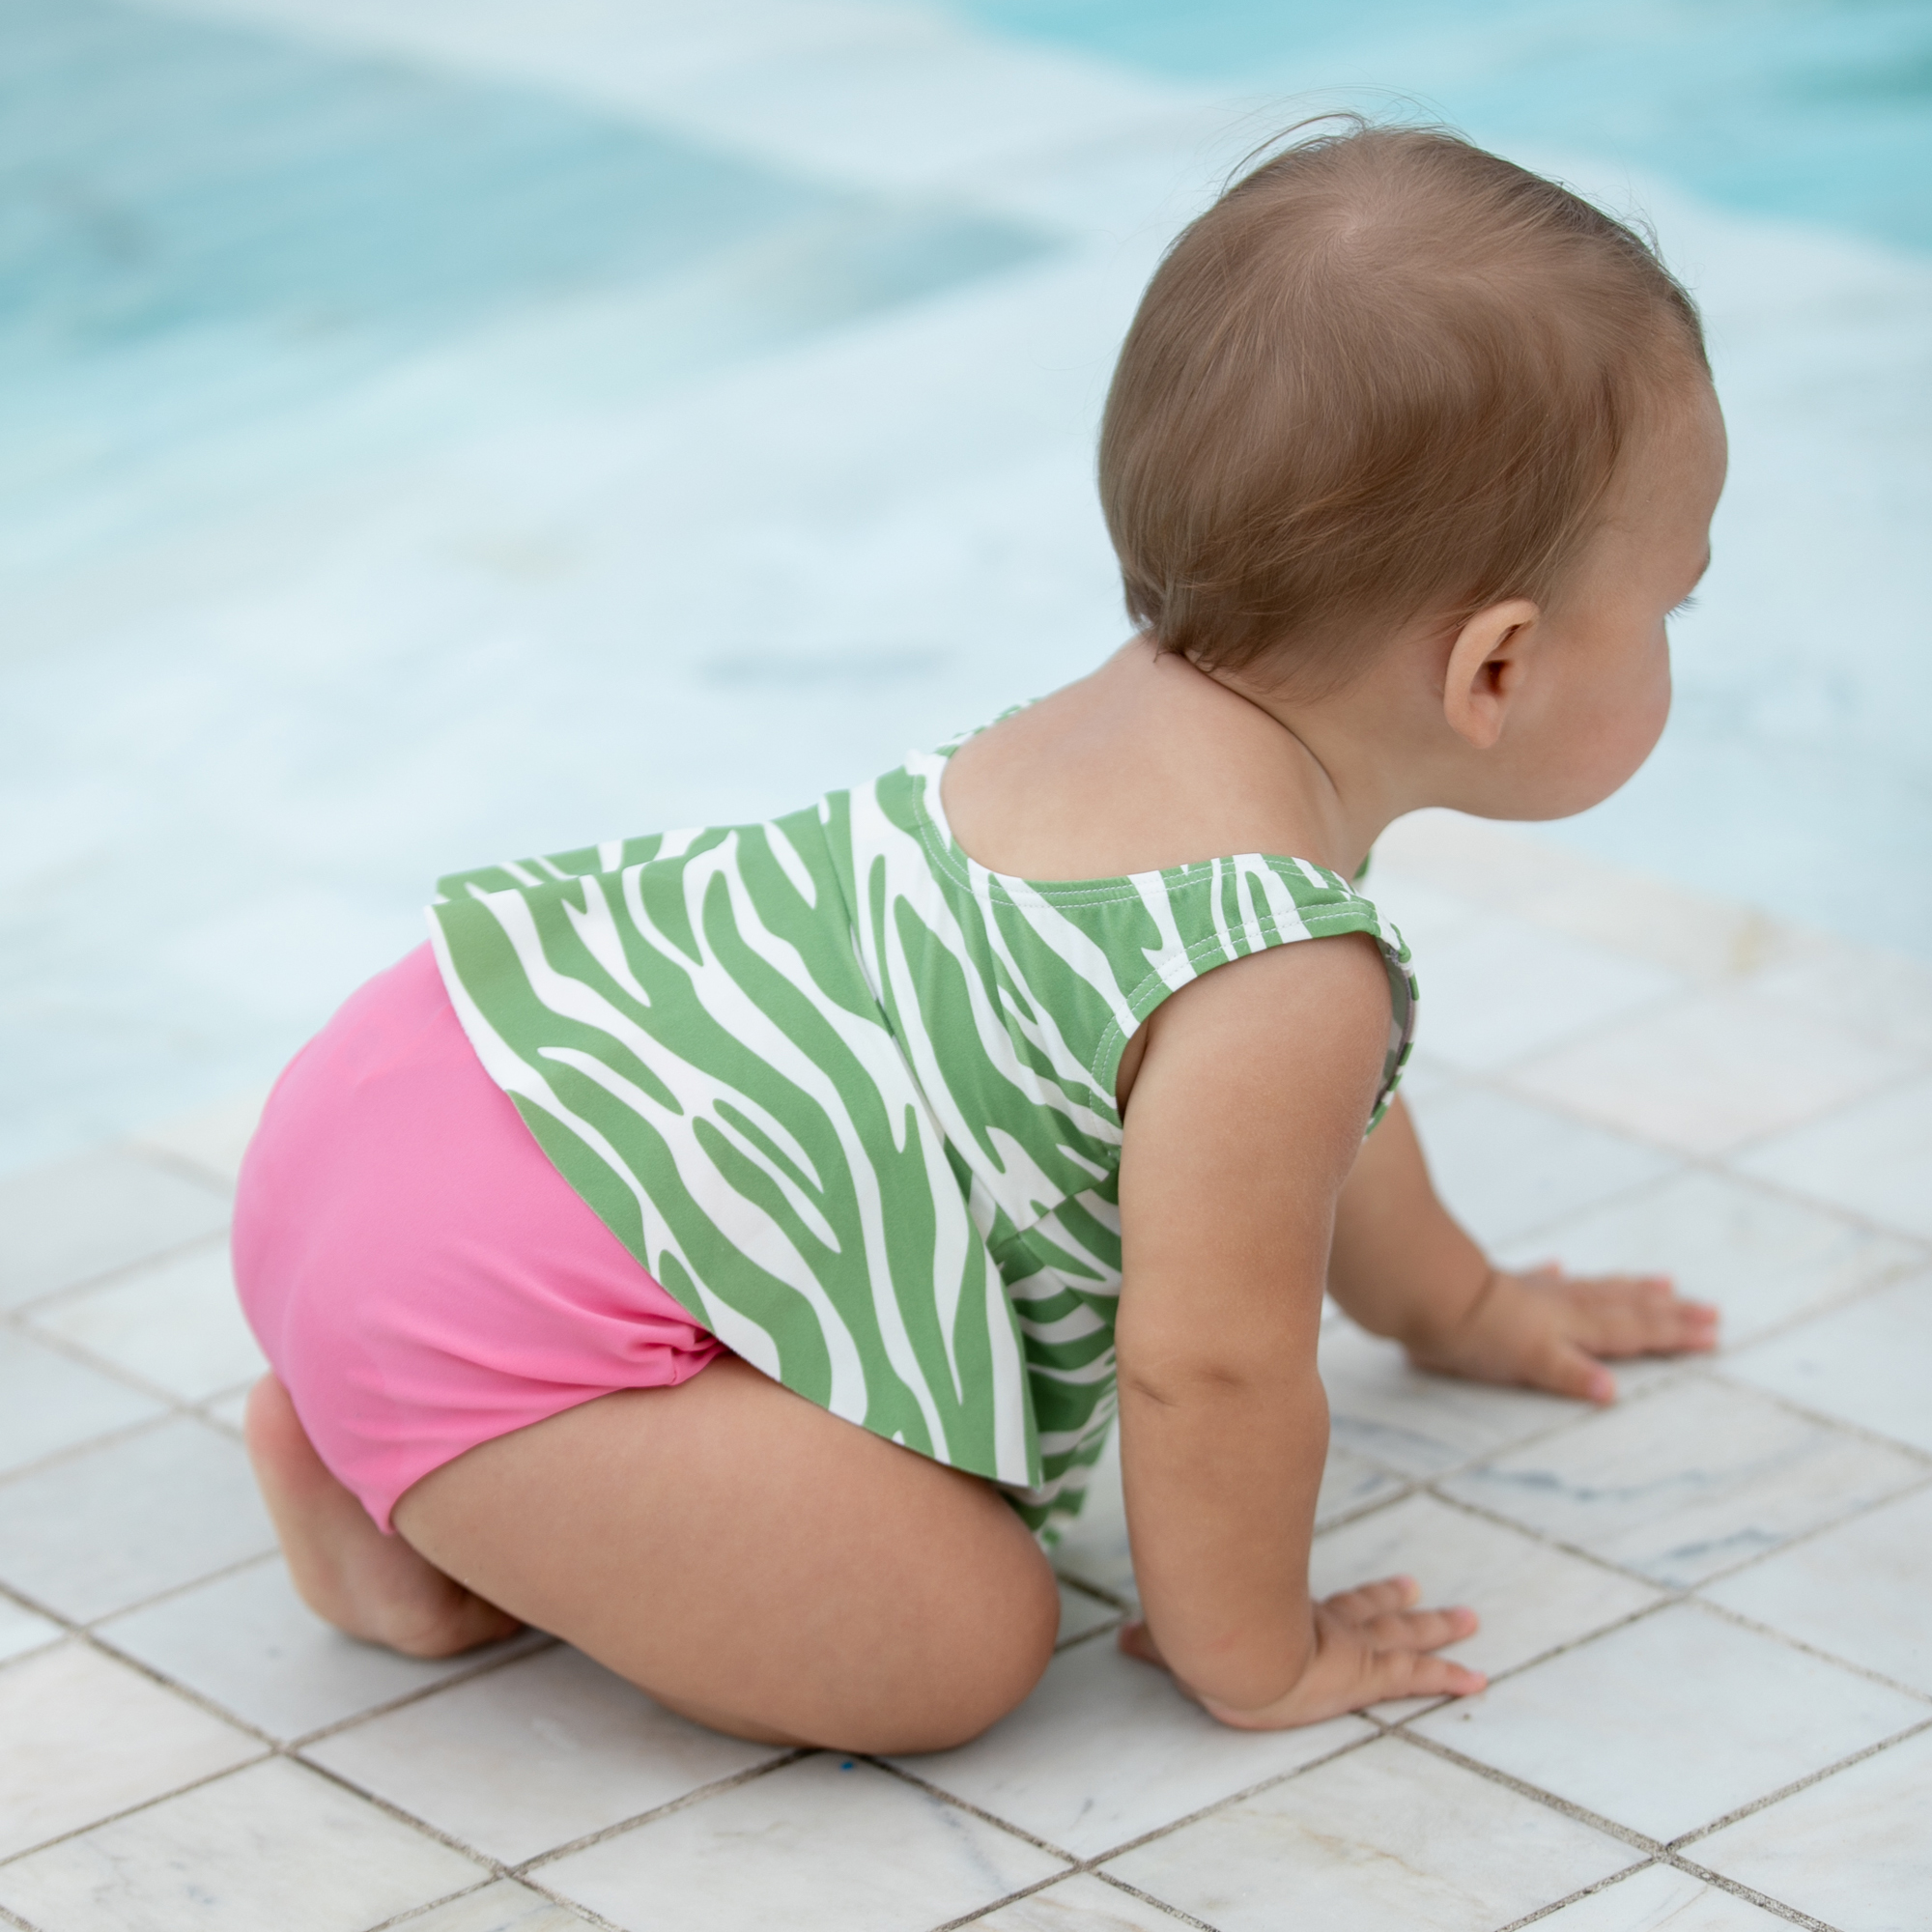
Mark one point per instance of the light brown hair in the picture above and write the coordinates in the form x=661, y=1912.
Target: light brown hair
x=1386, y=376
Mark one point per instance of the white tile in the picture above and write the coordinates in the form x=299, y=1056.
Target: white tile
x=1079, y=1614
x=533, y=1755
x=1852, y=1850
x=213, y=1138
x=1502, y=990
x=1661, y=1899
x=80, y=1218
x=1505, y=1166
x=1761, y=1258
x=503, y=1907
x=1083, y=1903
x=1419, y=1425
x=1866, y=1364
x=1710, y=1073
x=828, y=1844
x=1531, y=1598
x=236, y=1856
x=1859, y=1591
x=1673, y=1721
x=22, y=1629
x=108, y=1527
x=1386, y=1840
x=1107, y=1748
x=247, y=1642
x=49, y=1403
x=1685, y=1481
x=176, y=1324
x=1872, y=1158
x=83, y=1737
x=1883, y=996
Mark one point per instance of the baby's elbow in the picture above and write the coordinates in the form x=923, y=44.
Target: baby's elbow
x=1213, y=1380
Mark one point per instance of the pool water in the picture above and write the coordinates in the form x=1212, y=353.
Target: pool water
x=432, y=433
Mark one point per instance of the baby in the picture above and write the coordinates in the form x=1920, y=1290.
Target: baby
x=730, y=1249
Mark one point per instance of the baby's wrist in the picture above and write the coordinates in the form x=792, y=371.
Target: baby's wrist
x=1434, y=1318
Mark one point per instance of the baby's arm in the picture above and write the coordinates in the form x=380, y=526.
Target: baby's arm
x=1403, y=1267
x=1242, y=1129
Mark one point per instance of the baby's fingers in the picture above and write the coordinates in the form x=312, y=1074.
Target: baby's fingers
x=1413, y=1673
x=1368, y=1601
x=1418, y=1629
x=1638, y=1315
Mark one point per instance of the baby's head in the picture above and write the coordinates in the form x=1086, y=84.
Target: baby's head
x=1387, y=383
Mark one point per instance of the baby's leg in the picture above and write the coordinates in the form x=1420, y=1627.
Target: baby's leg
x=346, y=1570
x=753, y=1562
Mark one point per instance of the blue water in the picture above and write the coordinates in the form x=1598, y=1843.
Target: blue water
x=203, y=226
x=1816, y=110
x=716, y=460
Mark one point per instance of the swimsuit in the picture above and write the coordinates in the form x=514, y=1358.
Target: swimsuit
x=849, y=1097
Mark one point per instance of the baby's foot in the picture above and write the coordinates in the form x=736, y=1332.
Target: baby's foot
x=1545, y=1330
x=374, y=1586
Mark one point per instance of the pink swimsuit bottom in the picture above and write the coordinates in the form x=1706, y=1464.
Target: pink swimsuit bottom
x=420, y=1277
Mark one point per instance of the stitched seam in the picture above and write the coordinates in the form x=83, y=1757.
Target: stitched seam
x=1022, y=892
x=1357, y=919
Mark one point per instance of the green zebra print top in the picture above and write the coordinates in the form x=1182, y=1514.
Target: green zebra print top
x=849, y=1097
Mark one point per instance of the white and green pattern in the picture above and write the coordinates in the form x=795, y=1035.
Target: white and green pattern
x=849, y=1097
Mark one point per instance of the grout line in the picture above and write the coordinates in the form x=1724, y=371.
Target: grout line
x=1737, y=1617
x=1803, y=1783
x=1819, y=1418
x=431, y=1905
x=1596, y=1821
x=178, y=1251
x=1602, y=1884
x=1762, y=1899
x=1147, y=1898
x=682, y=1802
x=478, y=1667
x=182, y=1166
x=131, y=1811
x=74, y=1451
x=980, y=1812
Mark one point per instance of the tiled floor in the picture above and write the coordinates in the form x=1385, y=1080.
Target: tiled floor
x=1703, y=1609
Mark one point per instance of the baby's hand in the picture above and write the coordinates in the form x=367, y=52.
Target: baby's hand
x=1370, y=1646
x=1545, y=1330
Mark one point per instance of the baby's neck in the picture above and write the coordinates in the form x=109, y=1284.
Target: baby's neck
x=1149, y=763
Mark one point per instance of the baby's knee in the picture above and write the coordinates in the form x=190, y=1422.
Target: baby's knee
x=988, y=1658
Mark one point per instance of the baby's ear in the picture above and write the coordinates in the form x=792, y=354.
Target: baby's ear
x=1487, y=664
